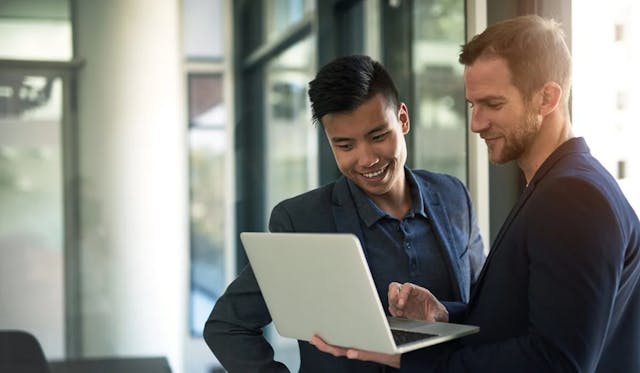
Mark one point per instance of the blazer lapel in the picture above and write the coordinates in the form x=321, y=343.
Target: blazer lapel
x=498, y=240
x=442, y=231
x=345, y=213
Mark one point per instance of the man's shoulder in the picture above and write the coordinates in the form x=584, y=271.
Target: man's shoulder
x=310, y=211
x=318, y=195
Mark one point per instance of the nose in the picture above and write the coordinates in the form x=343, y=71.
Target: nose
x=367, y=156
x=479, y=122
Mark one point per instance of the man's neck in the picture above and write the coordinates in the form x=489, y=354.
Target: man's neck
x=554, y=131
x=397, y=202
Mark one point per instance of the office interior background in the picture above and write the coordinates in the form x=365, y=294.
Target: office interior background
x=139, y=137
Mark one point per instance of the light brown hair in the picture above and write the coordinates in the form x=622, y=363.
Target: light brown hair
x=534, y=48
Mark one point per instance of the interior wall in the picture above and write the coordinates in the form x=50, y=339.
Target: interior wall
x=133, y=179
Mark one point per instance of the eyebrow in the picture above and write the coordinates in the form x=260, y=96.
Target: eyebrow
x=379, y=128
x=490, y=98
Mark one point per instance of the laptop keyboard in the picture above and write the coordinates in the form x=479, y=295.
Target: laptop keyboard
x=402, y=337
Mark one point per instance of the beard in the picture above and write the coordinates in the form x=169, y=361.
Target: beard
x=520, y=139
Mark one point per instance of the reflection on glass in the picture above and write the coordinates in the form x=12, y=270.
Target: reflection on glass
x=207, y=152
x=291, y=138
x=439, y=118
x=291, y=147
x=281, y=14
x=204, y=29
x=31, y=216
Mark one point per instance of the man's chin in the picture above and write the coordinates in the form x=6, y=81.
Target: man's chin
x=498, y=159
x=374, y=190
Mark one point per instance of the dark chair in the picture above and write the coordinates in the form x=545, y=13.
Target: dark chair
x=112, y=365
x=20, y=352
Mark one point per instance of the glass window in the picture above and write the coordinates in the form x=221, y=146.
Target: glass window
x=291, y=139
x=291, y=147
x=204, y=25
x=605, y=110
x=31, y=217
x=33, y=29
x=207, y=157
x=204, y=29
x=281, y=14
x=439, y=113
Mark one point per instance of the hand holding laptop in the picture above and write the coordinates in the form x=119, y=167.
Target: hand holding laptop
x=405, y=300
x=392, y=360
x=414, y=302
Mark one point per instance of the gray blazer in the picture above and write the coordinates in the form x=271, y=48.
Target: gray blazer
x=234, y=328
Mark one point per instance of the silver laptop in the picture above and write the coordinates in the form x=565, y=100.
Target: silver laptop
x=319, y=283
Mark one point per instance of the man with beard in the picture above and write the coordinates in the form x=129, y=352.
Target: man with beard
x=560, y=288
x=414, y=225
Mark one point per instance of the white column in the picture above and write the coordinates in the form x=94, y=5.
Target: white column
x=133, y=169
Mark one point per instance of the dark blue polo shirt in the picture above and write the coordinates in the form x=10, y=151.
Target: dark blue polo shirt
x=402, y=250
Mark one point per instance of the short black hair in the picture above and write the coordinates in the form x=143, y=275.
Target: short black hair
x=346, y=82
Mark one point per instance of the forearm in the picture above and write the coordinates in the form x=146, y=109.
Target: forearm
x=233, y=331
x=239, y=349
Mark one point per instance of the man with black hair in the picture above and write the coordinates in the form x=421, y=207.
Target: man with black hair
x=414, y=225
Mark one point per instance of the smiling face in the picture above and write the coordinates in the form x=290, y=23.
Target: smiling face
x=501, y=116
x=369, y=146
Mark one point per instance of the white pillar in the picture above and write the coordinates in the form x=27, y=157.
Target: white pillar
x=133, y=170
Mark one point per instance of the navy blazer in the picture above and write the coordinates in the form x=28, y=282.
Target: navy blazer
x=559, y=291
x=234, y=328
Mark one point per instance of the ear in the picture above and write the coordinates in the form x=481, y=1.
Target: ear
x=403, y=117
x=551, y=98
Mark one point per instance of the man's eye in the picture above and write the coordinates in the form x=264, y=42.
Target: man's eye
x=495, y=106
x=344, y=146
x=380, y=137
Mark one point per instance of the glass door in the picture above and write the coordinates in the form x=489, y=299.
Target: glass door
x=32, y=284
